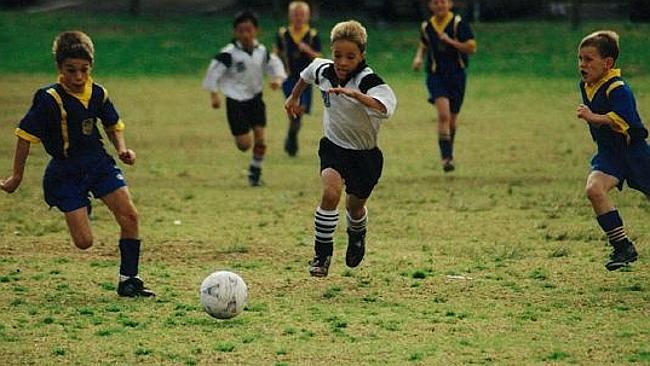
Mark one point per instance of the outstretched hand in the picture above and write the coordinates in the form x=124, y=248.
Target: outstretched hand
x=345, y=91
x=127, y=156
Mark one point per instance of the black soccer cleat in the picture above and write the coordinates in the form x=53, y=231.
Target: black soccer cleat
x=291, y=145
x=133, y=287
x=254, y=176
x=356, y=248
x=319, y=266
x=622, y=255
x=448, y=166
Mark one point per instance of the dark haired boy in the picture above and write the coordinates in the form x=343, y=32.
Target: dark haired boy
x=238, y=70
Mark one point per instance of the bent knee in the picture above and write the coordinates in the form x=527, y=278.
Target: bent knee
x=595, y=191
x=83, y=243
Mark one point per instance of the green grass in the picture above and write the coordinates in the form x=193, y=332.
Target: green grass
x=512, y=221
x=184, y=45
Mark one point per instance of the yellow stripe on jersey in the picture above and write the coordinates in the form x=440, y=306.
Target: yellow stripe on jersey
x=27, y=136
x=119, y=126
x=64, y=120
x=592, y=89
x=619, y=125
x=439, y=26
x=613, y=86
x=298, y=34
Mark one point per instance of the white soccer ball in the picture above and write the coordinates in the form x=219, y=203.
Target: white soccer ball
x=223, y=294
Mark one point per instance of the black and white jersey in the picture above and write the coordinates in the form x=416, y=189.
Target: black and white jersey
x=239, y=72
x=347, y=122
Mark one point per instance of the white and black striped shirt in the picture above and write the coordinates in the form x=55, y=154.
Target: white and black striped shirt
x=238, y=73
x=346, y=121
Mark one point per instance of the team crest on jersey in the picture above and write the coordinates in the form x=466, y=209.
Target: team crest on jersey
x=240, y=66
x=87, y=126
x=326, y=98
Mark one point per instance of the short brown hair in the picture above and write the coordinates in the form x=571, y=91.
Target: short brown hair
x=73, y=44
x=351, y=31
x=605, y=41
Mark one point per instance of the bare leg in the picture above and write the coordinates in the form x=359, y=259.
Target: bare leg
x=79, y=228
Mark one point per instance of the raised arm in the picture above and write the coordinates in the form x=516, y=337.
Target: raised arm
x=10, y=184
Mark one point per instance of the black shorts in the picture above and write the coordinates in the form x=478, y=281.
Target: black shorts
x=361, y=169
x=244, y=115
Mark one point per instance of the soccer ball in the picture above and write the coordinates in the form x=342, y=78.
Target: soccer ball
x=223, y=294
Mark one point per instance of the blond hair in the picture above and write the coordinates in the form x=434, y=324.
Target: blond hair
x=351, y=31
x=298, y=4
x=73, y=44
x=605, y=41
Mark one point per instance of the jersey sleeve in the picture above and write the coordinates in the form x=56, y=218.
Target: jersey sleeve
x=309, y=73
x=275, y=68
x=33, y=126
x=373, y=86
x=279, y=43
x=109, y=115
x=464, y=31
x=315, y=42
x=218, y=66
x=423, y=34
x=624, y=114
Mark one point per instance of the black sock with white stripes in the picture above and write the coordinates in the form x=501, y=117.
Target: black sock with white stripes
x=325, y=223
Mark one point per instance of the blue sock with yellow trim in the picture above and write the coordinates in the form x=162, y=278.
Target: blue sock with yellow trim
x=612, y=225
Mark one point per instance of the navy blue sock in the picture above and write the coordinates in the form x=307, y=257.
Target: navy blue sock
x=130, y=256
x=452, y=139
x=445, y=147
x=612, y=225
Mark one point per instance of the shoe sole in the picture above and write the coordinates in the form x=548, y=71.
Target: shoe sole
x=613, y=266
x=317, y=274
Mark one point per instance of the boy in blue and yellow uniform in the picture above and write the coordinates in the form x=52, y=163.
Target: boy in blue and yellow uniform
x=616, y=127
x=64, y=118
x=297, y=45
x=448, y=41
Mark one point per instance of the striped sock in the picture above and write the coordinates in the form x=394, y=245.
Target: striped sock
x=325, y=223
x=359, y=224
x=259, y=150
x=612, y=225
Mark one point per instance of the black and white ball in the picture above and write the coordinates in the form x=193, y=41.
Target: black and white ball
x=223, y=294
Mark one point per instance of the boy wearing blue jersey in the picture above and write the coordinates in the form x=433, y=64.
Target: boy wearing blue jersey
x=237, y=71
x=297, y=45
x=64, y=117
x=356, y=101
x=447, y=41
x=609, y=108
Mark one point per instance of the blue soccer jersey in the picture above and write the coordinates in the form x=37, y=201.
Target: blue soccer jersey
x=441, y=57
x=287, y=42
x=66, y=123
x=622, y=148
x=611, y=96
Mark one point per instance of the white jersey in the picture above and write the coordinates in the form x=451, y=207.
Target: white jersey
x=346, y=121
x=239, y=73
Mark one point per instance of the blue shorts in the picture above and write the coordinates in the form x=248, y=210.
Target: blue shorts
x=305, y=98
x=450, y=86
x=632, y=166
x=68, y=183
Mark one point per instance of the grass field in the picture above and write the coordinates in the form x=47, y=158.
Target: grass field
x=497, y=263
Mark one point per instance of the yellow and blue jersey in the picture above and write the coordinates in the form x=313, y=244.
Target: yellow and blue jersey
x=441, y=57
x=66, y=122
x=287, y=41
x=611, y=96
